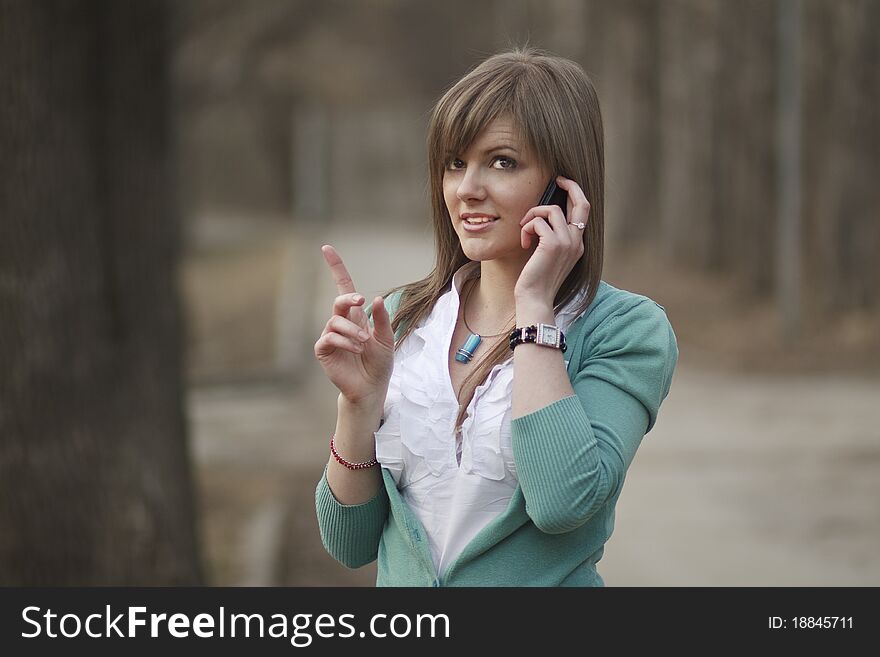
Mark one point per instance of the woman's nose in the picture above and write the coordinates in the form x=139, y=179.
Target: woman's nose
x=471, y=185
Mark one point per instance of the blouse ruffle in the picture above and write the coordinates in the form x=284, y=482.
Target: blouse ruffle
x=417, y=438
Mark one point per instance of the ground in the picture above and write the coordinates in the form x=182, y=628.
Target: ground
x=762, y=469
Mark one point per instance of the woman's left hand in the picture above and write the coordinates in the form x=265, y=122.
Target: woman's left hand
x=560, y=244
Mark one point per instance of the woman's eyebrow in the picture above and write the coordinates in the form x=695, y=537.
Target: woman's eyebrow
x=500, y=148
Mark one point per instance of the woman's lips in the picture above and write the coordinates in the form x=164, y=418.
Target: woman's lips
x=476, y=228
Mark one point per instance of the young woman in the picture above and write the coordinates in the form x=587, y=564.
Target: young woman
x=488, y=413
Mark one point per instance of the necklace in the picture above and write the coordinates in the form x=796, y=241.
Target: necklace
x=466, y=352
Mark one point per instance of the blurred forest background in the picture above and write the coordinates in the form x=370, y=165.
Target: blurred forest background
x=171, y=169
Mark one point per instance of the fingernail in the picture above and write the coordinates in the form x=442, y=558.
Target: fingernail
x=358, y=298
x=363, y=335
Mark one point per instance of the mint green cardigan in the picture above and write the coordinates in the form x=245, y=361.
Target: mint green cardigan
x=571, y=458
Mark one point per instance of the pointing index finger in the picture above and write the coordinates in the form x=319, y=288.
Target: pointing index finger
x=341, y=277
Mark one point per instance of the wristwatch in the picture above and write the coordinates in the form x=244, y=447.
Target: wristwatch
x=545, y=335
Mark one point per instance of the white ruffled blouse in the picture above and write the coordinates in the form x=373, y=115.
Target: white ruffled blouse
x=454, y=487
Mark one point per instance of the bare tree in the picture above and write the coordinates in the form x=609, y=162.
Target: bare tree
x=95, y=476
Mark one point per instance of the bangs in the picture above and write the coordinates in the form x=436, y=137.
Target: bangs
x=550, y=102
x=472, y=105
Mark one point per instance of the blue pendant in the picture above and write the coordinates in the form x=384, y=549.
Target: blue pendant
x=467, y=350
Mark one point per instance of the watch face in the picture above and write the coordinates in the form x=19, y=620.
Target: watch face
x=548, y=334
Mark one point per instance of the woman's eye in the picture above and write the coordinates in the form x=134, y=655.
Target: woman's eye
x=505, y=162
x=455, y=163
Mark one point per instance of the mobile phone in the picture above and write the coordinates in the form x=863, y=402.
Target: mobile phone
x=554, y=195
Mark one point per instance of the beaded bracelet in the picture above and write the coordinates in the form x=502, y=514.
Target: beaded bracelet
x=349, y=464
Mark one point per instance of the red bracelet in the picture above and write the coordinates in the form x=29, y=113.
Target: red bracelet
x=349, y=464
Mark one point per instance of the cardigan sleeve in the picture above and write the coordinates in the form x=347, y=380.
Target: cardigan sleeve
x=572, y=455
x=350, y=532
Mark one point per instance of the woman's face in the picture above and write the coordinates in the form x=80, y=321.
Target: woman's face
x=496, y=177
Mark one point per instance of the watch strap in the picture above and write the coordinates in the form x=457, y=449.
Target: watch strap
x=529, y=334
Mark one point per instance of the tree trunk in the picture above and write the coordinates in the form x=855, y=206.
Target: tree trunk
x=746, y=139
x=841, y=153
x=629, y=97
x=690, y=58
x=95, y=474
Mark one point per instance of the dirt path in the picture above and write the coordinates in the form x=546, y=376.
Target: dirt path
x=743, y=481
x=754, y=481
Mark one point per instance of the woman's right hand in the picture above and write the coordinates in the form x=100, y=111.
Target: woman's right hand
x=358, y=359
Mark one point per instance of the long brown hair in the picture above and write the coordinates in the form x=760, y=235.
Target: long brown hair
x=556, y=110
